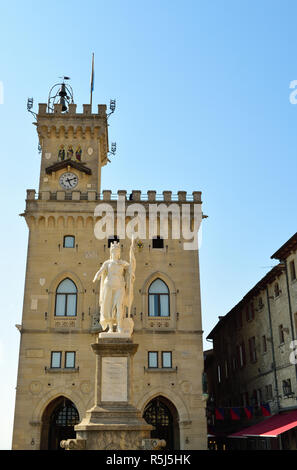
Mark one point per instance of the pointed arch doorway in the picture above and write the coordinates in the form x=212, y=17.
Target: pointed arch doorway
x=162, y=414
x=58, y=421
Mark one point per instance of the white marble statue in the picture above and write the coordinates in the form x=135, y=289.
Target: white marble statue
x=116, y=291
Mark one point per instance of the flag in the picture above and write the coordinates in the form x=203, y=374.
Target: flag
x=219, y=413
x=235, y=413
x=248, y=411
x=265, y=409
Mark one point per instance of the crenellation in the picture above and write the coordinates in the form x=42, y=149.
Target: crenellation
x=182, y=196
x=151, y=195
x=31, y=194
x=106, y=195
x=167, y=195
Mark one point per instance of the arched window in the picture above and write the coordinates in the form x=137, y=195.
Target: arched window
x=66, y=299
x=158, y=299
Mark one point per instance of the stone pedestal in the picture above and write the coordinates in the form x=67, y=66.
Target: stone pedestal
x=113, y=422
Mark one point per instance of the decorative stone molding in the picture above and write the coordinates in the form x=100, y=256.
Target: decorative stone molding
x=153, y=444
x=74, y=444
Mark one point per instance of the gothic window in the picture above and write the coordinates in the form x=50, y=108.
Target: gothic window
x=69, y=241
x=158, y=299
x=66, y=299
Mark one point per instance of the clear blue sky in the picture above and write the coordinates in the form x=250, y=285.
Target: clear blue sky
x=202, y=90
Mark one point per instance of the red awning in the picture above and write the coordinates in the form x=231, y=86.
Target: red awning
x=270, y=427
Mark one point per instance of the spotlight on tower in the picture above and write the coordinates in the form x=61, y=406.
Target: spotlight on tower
x=112, y=107
x=30, y=106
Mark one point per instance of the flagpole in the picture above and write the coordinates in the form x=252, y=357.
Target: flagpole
x=92, y=81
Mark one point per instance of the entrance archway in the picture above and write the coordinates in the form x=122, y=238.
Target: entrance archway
x=58, y=421
x=162, y=414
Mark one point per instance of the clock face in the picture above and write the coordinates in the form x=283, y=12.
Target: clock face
x=68, y=180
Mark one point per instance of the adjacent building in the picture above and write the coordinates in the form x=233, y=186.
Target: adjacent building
x=251, y=369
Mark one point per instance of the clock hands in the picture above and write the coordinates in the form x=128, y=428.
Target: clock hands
x=69, y=180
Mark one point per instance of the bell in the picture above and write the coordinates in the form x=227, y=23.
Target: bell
x=63, y=95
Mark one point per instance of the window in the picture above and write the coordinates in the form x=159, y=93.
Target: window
x=66, y=299
x=69, y=241
x=260, y=303
x=292, y=270
x=158, y=242
x=276, y=289
x=281, y=334
x=287, y=388
x=268, y=392
x=166, y=359
x=241, y=354
x=112, y=239
x=264, y=344
x=69, y=359
x=153, y=359
x=219, y=373
x=252, y=348
x=158, y=299
x=250, y=311
x=259, y=396
x=56, y=359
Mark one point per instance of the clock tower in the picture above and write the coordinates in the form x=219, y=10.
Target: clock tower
x=60, y=319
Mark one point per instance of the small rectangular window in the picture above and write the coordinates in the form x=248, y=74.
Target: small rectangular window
x=153, y=359
x=281, y=334
x=219, y=373
x=69, y=241
x=115, y=238
x=166, y=359
x=287, y=387
x=250, y=313
x=158, y=242
x=292, y=270
x=69, y=359
x=252, y=348
x=264, y=344
x=268, y=392
x=56, y=357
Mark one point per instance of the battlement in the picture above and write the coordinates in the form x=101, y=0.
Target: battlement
x=108, y=195
x=87, y=111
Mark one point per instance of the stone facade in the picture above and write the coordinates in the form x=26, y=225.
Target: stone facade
x=55, y=212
